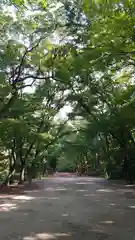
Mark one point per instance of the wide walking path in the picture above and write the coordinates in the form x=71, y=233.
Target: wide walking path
x=70, y=208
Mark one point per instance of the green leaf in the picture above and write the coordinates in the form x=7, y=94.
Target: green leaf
x=43, y=3
x=18, y=2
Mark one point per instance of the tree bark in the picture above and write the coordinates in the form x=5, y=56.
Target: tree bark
x=22, y=173
x=11, y=173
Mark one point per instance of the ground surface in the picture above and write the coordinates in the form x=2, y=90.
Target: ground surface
x=69, y=208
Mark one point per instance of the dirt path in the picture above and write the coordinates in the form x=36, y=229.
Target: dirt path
x=69, y=208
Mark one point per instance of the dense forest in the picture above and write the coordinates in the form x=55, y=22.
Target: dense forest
x=67, y=91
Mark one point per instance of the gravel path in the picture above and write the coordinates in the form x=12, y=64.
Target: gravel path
x=69, y=208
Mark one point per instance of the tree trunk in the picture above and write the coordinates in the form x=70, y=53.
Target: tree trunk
x=11, y=173
x=30, y=180
x=44, y=172
x=29, y=175
x=8, y=179
x=22, y=174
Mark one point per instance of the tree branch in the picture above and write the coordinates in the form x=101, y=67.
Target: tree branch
x=28, y=50
x=33, y=77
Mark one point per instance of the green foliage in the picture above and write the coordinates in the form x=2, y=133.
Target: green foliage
x=65, y=166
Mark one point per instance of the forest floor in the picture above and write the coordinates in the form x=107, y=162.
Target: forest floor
x=69, y=208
